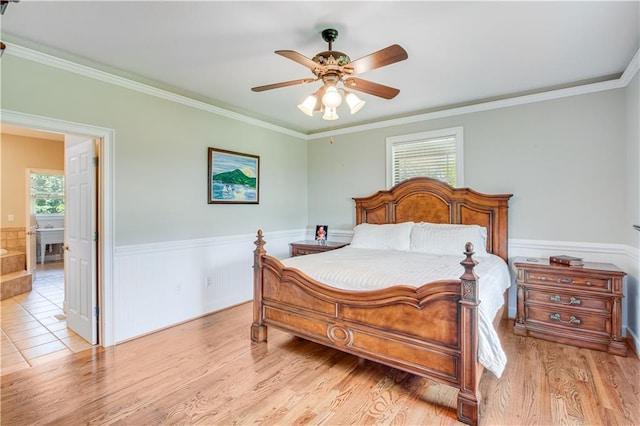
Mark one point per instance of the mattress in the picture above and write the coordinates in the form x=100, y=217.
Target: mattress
x=360, y=269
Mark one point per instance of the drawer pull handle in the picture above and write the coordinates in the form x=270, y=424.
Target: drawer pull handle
x=572, y=319
x=572, y=300
x=565, y=280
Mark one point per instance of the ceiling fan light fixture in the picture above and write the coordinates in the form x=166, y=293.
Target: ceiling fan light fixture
x=331, y=97
x=332, y=67
x=354, y=102
x=330, y=114
x=308, y=105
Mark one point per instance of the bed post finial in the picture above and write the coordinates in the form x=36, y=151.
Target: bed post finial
x=259, y=243
x=258, y=328
x=469, y=278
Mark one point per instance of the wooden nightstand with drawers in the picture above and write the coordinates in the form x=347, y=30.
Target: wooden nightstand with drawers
x=574, y=305
x=310, y=246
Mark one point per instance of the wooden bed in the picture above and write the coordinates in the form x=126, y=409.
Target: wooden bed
x=430, y=331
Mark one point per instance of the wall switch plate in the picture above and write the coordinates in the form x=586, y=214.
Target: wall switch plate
x=11, y=218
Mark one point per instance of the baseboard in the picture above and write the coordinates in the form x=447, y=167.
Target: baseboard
x=633, y=343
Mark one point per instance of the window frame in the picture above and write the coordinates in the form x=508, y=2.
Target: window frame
x=456, y=132
x=50, y=195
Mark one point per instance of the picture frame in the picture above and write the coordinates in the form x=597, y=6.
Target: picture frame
x=322, y=233
x=233, y=177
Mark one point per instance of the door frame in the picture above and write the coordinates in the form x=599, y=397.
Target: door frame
x=105, y=195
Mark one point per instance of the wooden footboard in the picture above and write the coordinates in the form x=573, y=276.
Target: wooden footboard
x=430, y=331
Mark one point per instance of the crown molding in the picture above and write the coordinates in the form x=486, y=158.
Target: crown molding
x=86, y=71
x=63, y=64
x=621, y=82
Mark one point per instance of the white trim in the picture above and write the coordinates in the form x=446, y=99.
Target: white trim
x=623, y=81
x=63, y=64
x=631, y=70
x=169, y=246
x=583, y=248
x=106, y=182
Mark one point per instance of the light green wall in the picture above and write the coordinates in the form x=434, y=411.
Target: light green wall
x=161, y=156
x=564, y=160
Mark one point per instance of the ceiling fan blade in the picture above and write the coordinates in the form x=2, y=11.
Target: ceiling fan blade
x=371, y=88
x=283, y=84
x=299, y=58
x=387, y=56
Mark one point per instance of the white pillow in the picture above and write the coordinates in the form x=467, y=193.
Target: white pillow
x=394, y=236
x=444, y=238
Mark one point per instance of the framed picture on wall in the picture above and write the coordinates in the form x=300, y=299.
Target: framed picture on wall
x=233, y=178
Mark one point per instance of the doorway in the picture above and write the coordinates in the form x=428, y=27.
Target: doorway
x=62, y=219
x=103, y=261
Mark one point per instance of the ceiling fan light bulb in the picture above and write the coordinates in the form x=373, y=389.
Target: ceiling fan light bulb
x=331, y=97
x=354, y=102
x=330, y=114
x=308, y=105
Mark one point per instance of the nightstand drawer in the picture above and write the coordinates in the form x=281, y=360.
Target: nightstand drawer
x=300, y=251
x=566, y=279
x=567, y=318
x=300, y=248
x=576, y=301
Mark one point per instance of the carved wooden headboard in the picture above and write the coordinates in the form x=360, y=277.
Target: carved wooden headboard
x=424, y=199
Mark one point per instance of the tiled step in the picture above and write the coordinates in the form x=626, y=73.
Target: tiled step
x=13, y=261
x=15, y=283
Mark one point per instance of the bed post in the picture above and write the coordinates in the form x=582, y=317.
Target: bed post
x=469, y=395
x=258, y=329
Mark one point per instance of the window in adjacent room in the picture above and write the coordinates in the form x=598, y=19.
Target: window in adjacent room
x=436, y=154
x=48, y=190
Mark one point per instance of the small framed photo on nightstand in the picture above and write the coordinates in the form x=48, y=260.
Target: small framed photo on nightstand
x=322, y=232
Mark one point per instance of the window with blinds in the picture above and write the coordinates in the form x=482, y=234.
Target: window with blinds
x=436, y=154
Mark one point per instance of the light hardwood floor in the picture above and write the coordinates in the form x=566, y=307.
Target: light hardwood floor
x=208, y=372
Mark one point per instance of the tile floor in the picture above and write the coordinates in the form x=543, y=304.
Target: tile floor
x=34, y=328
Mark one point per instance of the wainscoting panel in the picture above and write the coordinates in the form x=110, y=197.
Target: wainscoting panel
x=162, y=284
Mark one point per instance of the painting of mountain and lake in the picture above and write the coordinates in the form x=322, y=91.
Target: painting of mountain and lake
x=233, y=177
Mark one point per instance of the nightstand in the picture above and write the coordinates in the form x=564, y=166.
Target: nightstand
x=310, y=246
x=574, y=305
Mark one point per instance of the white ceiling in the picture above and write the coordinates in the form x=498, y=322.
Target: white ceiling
x=459, y=52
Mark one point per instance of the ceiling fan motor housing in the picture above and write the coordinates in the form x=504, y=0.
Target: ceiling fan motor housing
x=331, y=58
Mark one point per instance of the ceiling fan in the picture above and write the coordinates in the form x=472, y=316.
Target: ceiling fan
x=333, y=67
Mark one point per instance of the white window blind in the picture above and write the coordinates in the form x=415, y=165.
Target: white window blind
x=435, y=158
x=435, y=154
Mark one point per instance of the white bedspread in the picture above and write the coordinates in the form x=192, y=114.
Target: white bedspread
x=366, y=269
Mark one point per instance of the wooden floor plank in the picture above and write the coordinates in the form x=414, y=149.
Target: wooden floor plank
x=207, y=371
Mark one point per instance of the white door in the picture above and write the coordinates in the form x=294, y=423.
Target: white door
x=31, y=223
x=80, y=235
